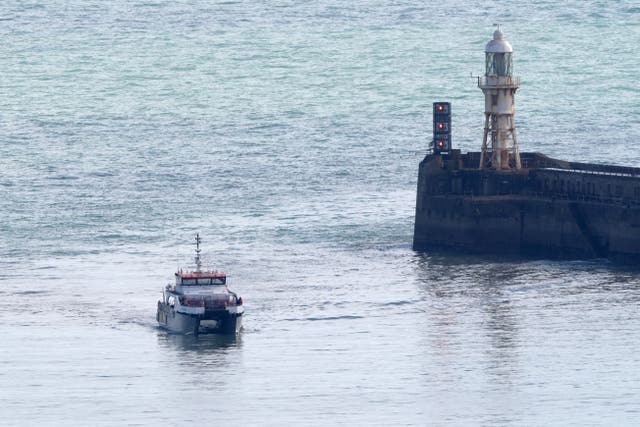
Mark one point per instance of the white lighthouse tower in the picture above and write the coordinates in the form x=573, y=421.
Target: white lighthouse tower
x=499, y=88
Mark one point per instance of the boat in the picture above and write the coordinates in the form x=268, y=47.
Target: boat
x=501, y=201
x=199, y=302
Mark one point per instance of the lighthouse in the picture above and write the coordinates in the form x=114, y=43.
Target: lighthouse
x=500, y=142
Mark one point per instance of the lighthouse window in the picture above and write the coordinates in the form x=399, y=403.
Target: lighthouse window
x=498, y=64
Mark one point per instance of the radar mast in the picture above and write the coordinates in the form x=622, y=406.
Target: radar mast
x=198, y=250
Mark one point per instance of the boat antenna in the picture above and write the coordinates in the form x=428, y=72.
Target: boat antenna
x=198, y=262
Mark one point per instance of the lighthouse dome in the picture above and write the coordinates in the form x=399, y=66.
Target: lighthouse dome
x=498, y=44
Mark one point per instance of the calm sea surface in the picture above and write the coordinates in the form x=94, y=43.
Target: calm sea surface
x=288, y=134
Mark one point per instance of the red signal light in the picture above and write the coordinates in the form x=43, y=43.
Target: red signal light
x=441, y=127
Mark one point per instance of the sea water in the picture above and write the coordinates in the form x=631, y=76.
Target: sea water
x=288, y=134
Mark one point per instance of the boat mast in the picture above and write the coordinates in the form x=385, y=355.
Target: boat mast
x=198, y=261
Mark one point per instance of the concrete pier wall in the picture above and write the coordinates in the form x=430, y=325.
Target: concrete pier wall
x=555, y=211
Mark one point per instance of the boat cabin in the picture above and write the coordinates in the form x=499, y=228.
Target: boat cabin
x=201, y=278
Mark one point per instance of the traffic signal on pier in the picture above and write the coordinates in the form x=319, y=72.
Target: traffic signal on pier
x=441, y=126
x=442, y=143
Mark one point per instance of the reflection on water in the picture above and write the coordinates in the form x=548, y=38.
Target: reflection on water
x=472, y=313
x=201, y=373
x=503, y=332
x=203, y=344
x=501, y=329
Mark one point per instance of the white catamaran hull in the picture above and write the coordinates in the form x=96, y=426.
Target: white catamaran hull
x=194, y=324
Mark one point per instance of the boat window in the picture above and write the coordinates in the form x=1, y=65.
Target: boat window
x=188, y=281
x=203, y=281
x=219, y=281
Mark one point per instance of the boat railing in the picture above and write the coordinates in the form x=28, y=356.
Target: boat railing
x=498, y=81
x=631, y=173
x=557, y=195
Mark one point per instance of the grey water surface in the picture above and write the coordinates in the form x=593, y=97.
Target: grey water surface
x=288, y=134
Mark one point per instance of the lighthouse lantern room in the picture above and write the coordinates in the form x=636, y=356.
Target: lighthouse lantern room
x=499, y=87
